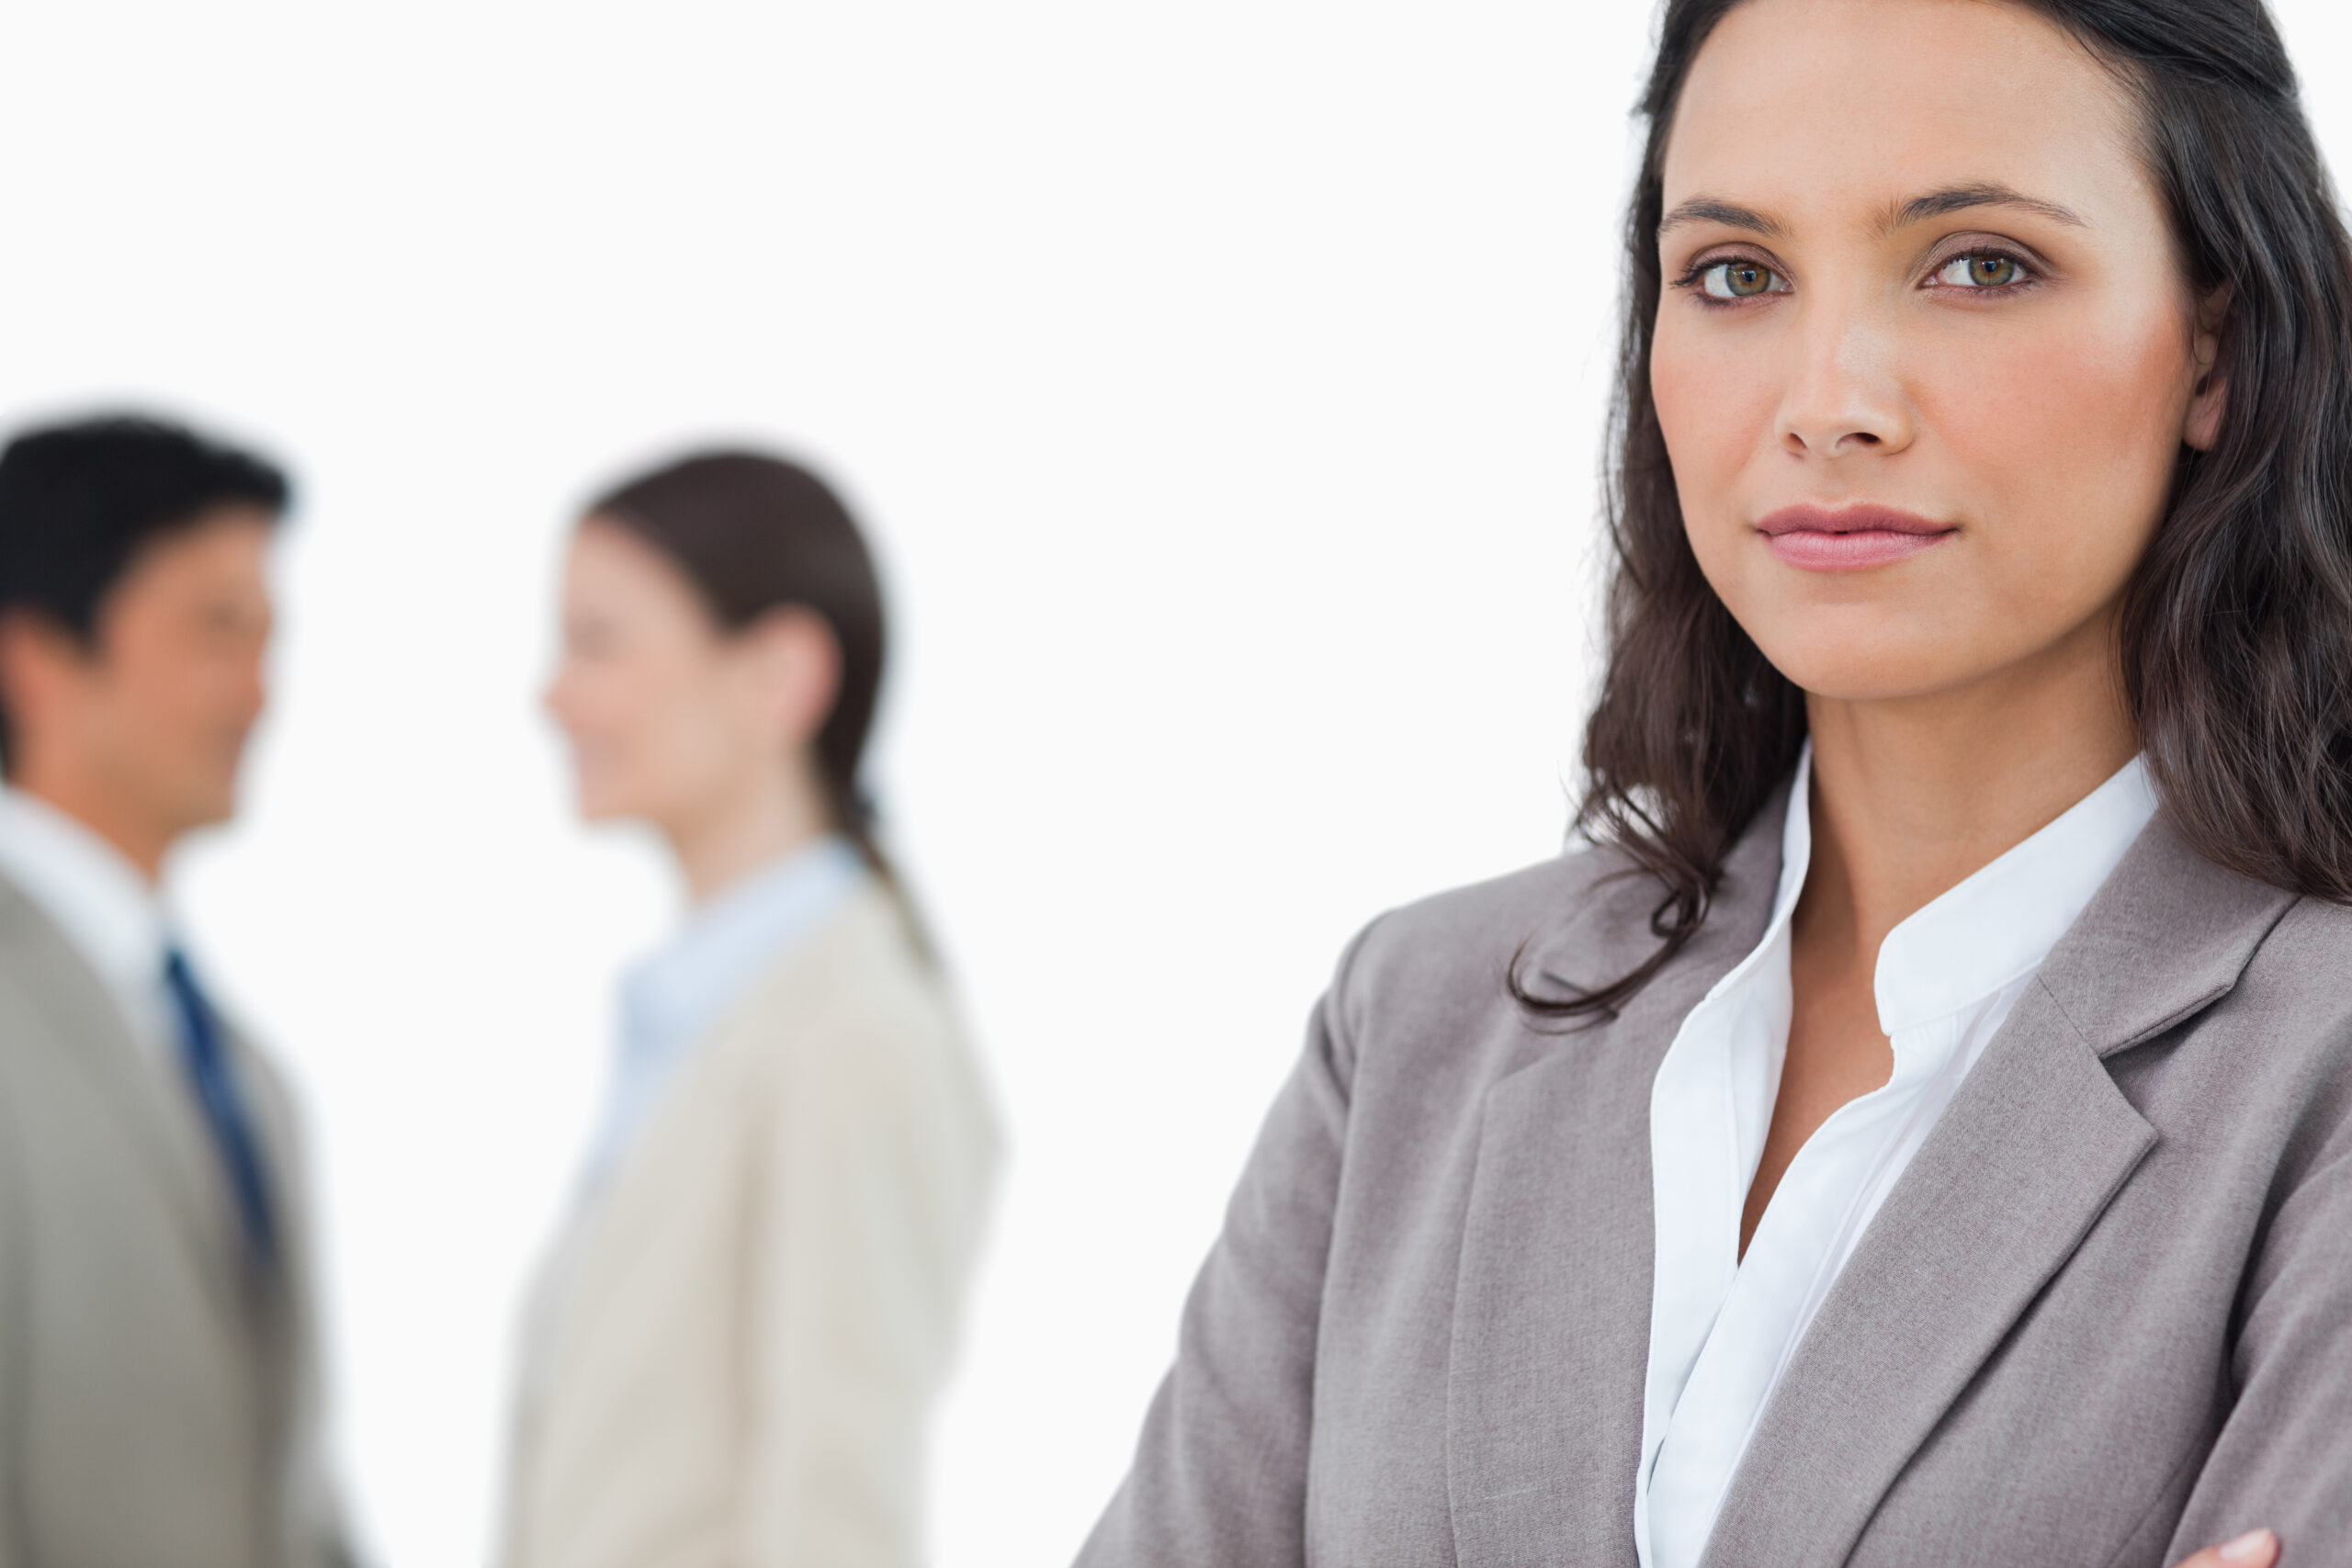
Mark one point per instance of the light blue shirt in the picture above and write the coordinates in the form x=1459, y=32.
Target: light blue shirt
x=671, y=1000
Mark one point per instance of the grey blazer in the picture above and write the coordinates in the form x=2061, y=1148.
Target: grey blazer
x=2104, y=1318
x=155, y=1399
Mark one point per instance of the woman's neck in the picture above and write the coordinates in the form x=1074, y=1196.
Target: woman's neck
x=1912, y=796
x=762, y=820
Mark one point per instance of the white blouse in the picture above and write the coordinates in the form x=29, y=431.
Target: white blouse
x=1723, y=1329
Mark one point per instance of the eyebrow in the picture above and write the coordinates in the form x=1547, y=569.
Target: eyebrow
x=1960, y=199
x=1918, y=209
x=1707, y=210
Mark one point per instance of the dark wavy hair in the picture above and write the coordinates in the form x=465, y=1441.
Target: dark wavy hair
x=2236, y=626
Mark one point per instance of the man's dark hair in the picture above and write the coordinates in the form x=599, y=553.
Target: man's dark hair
x=79, y=502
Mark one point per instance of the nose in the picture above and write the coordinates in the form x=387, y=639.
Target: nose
x=1846, y=397
x=556, y=696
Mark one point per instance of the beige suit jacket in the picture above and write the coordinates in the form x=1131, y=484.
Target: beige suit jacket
x=156, y=1396
x=2104, y=1318
x=734, y=1346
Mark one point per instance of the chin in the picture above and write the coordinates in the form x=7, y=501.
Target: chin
x=597, y=806
x=210, y=785
x=1867, y=669
x=209, y=808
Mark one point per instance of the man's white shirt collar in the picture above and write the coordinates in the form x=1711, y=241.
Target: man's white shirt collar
x=111, y=914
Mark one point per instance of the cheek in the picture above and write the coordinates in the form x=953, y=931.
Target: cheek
x=647, y=731
x=2064, y=443
x=1715, y=393
x=156, y=701
x=689, y=745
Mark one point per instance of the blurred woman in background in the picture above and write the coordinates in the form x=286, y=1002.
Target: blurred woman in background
x=731, y=1351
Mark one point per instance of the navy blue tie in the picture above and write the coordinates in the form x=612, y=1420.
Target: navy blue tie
x=213, y=1079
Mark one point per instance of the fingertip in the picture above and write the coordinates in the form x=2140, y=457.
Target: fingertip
x=2256, y=1549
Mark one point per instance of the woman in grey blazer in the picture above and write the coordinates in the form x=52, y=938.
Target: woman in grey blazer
x=1916, y=1129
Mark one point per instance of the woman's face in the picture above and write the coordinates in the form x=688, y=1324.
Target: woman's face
x=666, y=716
x=1926, y=360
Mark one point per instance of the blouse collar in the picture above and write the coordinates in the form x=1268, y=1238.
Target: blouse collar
x=1996, y=926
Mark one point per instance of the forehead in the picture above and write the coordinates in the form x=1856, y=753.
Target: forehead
x=231, y=539
x=1811, y=107
x=603, y=547
x=611, y=568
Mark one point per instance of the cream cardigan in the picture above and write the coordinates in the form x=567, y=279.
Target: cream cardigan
x=733, y=1347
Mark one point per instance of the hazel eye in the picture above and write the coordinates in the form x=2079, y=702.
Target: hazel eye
x=1741, y=280
x=1980, y=269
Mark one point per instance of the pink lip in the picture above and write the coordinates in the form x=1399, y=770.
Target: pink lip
x=1848, y=539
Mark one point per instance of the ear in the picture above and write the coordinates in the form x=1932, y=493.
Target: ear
x=796, y=662
x=38, y=658
x=2209, y=400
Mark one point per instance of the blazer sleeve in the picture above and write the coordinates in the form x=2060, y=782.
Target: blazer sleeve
x=1220, y=1473
x=872, y=1188
x=2284, y=1455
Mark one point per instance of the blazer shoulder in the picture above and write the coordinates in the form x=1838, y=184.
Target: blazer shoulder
x=56, y=1013
x=36, y=959
x=1462, y=944
x=2292, y=997
x=2303, y=960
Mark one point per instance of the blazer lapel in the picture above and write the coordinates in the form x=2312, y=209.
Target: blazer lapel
x=2034, y=1146
x=1552, y=1306
x=91, y=1028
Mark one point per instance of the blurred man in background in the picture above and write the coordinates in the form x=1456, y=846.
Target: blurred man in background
x=156, y=1366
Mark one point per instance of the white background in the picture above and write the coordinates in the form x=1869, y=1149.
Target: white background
x=1220, y=382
